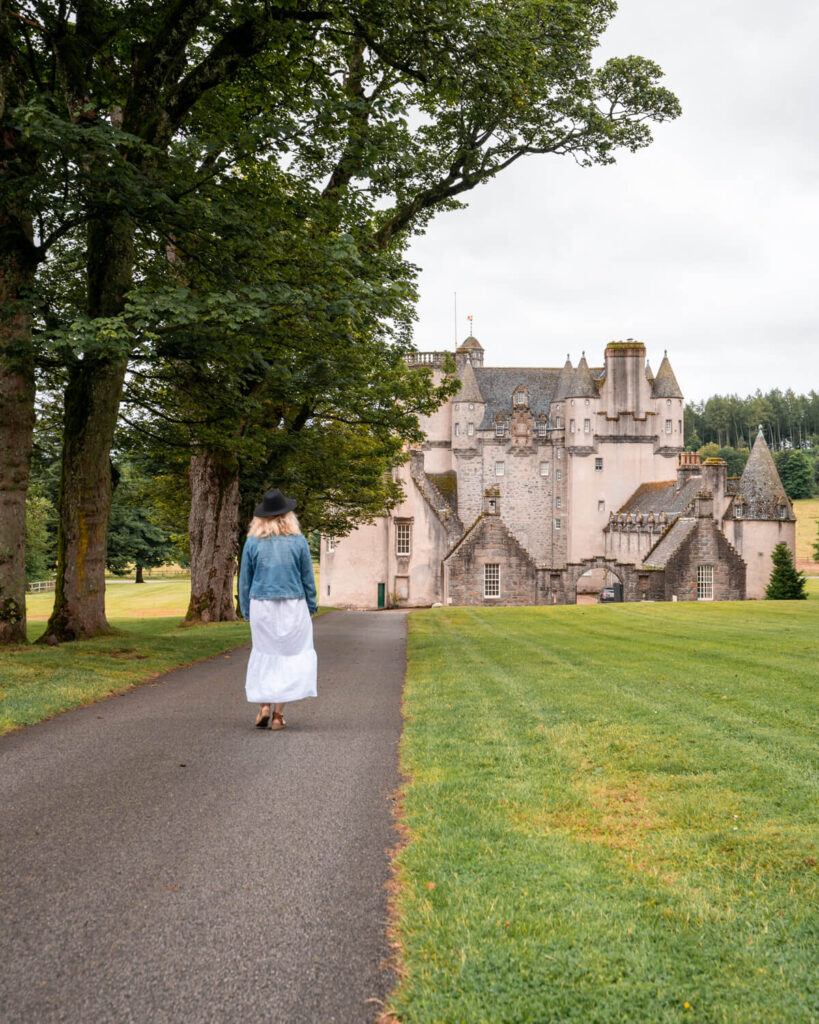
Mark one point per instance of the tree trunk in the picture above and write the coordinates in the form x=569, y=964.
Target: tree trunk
x=17, y=270
x=139, y=578
x=92, y=400
x=213, y=530
x=91, y=405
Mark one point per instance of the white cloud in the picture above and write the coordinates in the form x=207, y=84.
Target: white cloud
x=705, y=244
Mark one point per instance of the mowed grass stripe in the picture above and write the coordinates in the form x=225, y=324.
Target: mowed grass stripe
x=612, y=814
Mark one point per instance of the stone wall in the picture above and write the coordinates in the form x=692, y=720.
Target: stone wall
x=490, y=542
x=707, y=545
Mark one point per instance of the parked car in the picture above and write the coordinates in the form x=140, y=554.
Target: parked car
x=606, y=594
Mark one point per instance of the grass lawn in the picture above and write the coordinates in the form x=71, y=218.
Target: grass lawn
x=611, y=815
x=38, y=682
x=807, y=517
x=126, y=599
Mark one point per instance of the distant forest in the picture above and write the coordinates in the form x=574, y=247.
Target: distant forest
x=788, y=420
x=725, y=426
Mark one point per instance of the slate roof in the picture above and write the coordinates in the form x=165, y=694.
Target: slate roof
x=564, y=381
x=663, y=496
x=497, y=385
x=665, y=383
x=670, y=541
x=582, y=384
x=760, y=487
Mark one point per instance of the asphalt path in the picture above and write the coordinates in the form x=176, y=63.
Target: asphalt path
x=163, y=861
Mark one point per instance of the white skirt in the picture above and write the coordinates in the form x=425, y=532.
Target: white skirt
x=282, y=665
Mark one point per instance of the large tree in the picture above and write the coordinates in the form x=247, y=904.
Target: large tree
x=393, y=110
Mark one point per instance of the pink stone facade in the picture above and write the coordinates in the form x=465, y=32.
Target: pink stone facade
x=566, y=479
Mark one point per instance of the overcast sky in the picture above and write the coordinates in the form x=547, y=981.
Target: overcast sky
x=704, y=244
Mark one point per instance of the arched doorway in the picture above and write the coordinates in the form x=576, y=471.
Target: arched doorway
x=596, y=580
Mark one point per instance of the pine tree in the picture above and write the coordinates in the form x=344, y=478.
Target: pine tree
x=786, y=583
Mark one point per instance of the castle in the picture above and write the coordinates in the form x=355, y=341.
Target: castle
x=534, y=485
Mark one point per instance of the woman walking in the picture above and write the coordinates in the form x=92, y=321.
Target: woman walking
x=277, y=594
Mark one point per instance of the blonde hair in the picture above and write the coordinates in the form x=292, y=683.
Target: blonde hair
x=279, y=526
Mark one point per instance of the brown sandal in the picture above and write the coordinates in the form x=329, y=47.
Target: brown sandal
x=262, y=719
x=277, y=722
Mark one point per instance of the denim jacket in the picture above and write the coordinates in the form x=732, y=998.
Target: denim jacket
x=275, y=568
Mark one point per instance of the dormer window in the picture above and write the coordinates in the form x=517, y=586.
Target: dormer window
x=520, y=399
x=542, y=427
x=500, y=425
x=739, y=508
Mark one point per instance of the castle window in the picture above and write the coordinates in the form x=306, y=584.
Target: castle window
x=598, y=464
x=587, y=401
x=668, y=401
x=560, y=453
x=668, y=425
x=544, y=469
x=331, y=545
x=470, y=429
x=500, y=428
x=521, y=397
x=559, y=422
x=705, y=583
x=601, y=506
x=558, y=475
x=557, y=524
x=471, y=405
x=679, y=426
x=500, y=468
x=586, y=426
x=542, y=428
x=558, y=502
x=492, y=506
x=571, y=426
x=491, y=580
x=739, y=508
x=457, y=429
x=403, y=538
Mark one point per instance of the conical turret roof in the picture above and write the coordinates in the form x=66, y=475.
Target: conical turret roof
x=470, y=392
x=582, y=383
x=564, y=381
x=665, y=383
x=760, y=489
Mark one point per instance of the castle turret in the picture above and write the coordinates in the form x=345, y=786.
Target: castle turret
x=665, y=385
x=471, y=351
x=759, y=517
x=582, y=384
x=564, y=381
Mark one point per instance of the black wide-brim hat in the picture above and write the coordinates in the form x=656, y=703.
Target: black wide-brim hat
x=273, y=503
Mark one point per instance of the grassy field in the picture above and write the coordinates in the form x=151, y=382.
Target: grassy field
x=611, y=815
x=126, y=599
x=807, y=516
x=38, y=682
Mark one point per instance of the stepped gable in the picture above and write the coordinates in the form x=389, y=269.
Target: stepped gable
x=665, y=385
x=663, y=496
x=582, y=384
x=760, y=489
x=470, y=391
x=497, y=385
x=564, y=382
x=669, y=543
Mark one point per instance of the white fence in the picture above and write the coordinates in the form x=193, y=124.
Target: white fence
x=40, y=586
